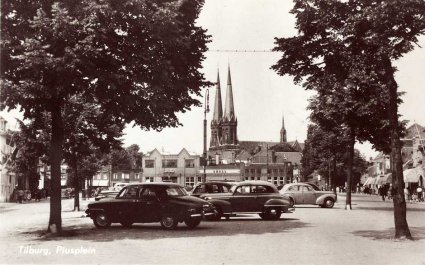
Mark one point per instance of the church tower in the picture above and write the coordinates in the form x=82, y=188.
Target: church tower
x=283, y=132
x=218, y=114
x=229, y=122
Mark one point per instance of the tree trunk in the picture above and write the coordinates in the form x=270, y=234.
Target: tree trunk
x=352, y=141
x=55, y=220
x=400, y=221
x=76, y=186
x=334, y=174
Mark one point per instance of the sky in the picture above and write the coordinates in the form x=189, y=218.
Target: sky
x=261, y=97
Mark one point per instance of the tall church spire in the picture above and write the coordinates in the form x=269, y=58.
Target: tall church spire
x=218, y=109
x=229, y=110
x=283, y=131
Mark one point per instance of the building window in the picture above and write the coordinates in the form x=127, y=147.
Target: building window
x=115, y=176
x=136, y=176
x=149, y=179
x=189, y=163
x=126, y=176
x=105, y=176
x=149, y=163
x=199, y=179
x=190, y=181
x=169, y=163
x=275, y=182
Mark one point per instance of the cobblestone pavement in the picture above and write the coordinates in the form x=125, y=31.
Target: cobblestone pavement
x=311, y=235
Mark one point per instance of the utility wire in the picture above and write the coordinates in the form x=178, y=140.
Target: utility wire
x=263, y=51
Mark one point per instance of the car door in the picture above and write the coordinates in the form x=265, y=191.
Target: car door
x=149, y=204
x=308, y=195
x=242, y=200
x=262, y=195
x=126, y=207
x=297, y=194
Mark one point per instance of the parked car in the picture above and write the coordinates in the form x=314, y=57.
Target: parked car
x=67, y=193
x=167, y=203
x=106, y=194
x=305, y=193
x=211, y=187
x=249, y=197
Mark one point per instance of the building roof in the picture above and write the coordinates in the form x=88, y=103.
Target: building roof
x=293, y=157
x=229, y=108
x=415, y=130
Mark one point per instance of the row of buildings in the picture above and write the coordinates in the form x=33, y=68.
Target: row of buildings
x=413, y=156
x=227, y=158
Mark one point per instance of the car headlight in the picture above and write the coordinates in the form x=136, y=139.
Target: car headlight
x=207, y=198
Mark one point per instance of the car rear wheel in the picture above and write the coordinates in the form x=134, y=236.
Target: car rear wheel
x=192, y=223
x=329, y=203
x=101, y=220
x=127, y=224
x=169, y=222
x=271, y=214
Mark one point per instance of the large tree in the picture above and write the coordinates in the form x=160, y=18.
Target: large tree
x=365, y=37
x=137, y=60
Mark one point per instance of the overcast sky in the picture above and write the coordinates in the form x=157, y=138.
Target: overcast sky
x=261, y=97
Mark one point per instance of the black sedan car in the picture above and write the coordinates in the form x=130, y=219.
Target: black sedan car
x=167, y=203
x=250, y=197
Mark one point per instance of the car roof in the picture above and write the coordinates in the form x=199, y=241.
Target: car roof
x=164, y=184
x=255, y=182
x=218, y=182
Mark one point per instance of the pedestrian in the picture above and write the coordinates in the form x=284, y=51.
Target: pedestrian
x=21, y=195
x=381, y=191
x=420, y=195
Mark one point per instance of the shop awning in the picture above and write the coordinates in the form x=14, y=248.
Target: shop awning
x=369, y=181
x=100, y=183
x=413, y=174
x=383, y=179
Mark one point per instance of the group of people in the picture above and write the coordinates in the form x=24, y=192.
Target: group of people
x=20, y=195
x=414, y=196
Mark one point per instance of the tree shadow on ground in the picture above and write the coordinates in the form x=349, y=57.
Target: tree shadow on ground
x=418, y=233
x=390, y=208
x=152, y=231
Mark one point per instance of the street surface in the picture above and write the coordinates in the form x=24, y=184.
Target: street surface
x=310, y=235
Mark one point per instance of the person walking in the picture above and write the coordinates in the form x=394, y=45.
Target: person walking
x=381, y=191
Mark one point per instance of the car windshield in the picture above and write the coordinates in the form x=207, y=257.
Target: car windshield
x=176, y=191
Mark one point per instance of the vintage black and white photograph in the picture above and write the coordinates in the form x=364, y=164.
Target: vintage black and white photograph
x=212, y=132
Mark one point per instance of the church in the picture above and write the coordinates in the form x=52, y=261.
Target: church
x=233, y=160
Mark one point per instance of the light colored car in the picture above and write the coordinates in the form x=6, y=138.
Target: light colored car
x=304, y=193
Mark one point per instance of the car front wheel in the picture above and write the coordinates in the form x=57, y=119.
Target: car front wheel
x=169, y=222
x=271, y=214
x=329, y=203
x=101, y=220
x=192, y=223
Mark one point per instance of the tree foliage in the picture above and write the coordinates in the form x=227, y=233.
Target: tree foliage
x=345, y=49
x=135, y=60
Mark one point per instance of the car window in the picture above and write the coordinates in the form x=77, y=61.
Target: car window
x=148, y=193
x=305, y=188
x=129, y=193
x=262, y=189
x=200, y=189
x=175, y=191
x=293, y=188
x=215, y=188
x=225, y=188
x=243, y=189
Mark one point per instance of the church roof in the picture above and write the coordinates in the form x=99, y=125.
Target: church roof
x=250, y=146
x=218, y=108
x=229, y=108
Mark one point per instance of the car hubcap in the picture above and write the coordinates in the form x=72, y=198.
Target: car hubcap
x=168, y=221
x=101, y=220
x=329, y=203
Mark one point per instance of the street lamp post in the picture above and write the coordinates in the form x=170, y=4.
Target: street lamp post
x=206, y=110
